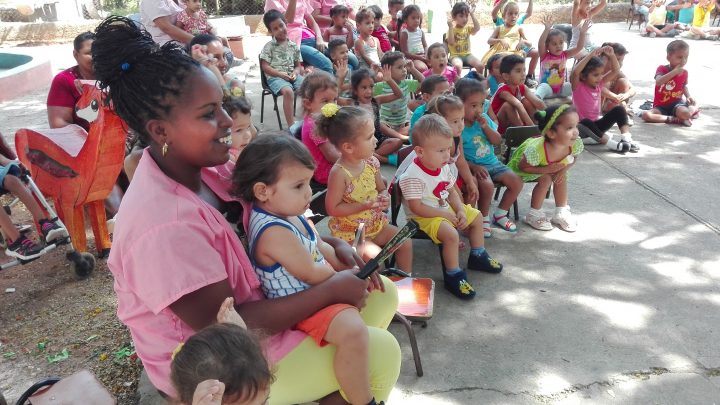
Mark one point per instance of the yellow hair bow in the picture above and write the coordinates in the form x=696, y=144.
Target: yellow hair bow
x=329, y=110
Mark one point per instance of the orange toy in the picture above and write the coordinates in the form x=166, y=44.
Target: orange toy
x=77, y=169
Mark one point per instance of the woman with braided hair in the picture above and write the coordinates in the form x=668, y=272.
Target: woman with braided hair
x=175, y=256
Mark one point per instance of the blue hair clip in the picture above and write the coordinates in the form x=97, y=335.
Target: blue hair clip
x=125, y=67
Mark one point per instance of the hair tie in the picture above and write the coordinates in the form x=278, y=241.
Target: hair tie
x=125, y=67
x=542, y=113
x=177, y=350
x=553, y=117
x=329, y=110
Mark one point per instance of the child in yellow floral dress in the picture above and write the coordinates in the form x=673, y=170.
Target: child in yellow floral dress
x=356, y=192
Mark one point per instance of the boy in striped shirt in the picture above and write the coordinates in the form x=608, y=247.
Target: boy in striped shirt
x=394, y=114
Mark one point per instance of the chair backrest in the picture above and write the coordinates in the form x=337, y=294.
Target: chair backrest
x=515, y=136
x=263, y=77
x=395, y=192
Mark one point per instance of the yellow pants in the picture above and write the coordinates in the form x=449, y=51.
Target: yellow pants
x=306, y=373
x=431, y=226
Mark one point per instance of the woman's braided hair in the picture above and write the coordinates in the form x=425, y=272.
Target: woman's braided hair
x=142, y=77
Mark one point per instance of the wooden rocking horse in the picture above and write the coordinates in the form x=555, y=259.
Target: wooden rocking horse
x=77, y=169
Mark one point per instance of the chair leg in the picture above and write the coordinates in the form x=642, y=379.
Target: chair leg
x=497, y=193
x=515, y=210
x=413, y=342
x=262, y=108
x=442, y=262
x=277, y=112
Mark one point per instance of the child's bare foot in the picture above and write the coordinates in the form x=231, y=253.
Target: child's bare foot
x=228, y=314
x=209, y=392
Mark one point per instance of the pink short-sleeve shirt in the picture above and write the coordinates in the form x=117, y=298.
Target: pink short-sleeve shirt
x=151, y=10
x=324, y=6
x=312, y=141
x=297, y=30
x=168, y=243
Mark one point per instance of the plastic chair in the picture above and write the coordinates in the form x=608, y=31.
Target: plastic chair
x=416, y=295
x=267, y=92
x=416, y=298
x=634, y=15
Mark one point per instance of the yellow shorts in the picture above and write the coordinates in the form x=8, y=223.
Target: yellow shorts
x=431, y=226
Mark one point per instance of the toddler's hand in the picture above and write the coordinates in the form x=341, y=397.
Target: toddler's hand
x=452, y=218
x=504, y=44
x=548, y=21
x=228, y=314
x=479, y=171
x=472, y=192
x=586, y=26
x=209, y=392
x=556, y=167
x=691, y=101
x=461, y=220
x=341, y=68
x=387, y=72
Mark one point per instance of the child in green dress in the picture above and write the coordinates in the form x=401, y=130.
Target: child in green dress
x=546, y=160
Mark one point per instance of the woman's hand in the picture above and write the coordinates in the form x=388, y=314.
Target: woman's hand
x=348, y=288
x=200, y=54
x=347, y=255
x=503, y=44
x=320, y=45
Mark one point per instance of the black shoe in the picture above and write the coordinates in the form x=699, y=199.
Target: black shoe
x=484, y=263
x=622, y=147
x=52, y=231
x=24, y=249
x=634, y=148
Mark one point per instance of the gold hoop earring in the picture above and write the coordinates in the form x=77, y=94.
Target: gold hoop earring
x=164, y=149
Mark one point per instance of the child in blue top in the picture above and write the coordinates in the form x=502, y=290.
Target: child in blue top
x=432, y=86
x=289, y=257
x=479, y=138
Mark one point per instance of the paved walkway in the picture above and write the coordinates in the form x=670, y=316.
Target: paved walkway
x=625, y=311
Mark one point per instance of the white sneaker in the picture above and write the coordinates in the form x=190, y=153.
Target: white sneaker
x=539, y=222
x=564, y=220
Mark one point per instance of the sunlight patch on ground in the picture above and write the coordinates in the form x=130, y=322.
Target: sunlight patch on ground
x=680, y=272
x=626, y=315
x=549, y=384
x=711, y=156
x=398, y=396
x=619, y=289
x=712, y=269
x=599, y=226
x=660, y=242
x=520, y=302
x=547, y=275
x=701, y=296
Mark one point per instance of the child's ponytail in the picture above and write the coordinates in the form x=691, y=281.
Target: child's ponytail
x=339, y=124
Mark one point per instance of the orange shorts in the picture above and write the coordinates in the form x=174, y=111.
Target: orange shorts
x=317, y=324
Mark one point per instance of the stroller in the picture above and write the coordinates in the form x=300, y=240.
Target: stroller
x=84, y=262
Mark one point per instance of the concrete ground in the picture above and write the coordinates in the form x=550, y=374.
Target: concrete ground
x=624, y=311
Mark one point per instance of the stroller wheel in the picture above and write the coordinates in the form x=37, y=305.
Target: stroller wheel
x=84, y=263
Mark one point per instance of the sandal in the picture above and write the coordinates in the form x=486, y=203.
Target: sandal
x=487, y=230
x=505, y=223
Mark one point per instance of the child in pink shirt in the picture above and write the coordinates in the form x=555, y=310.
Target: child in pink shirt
x=318, y=89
